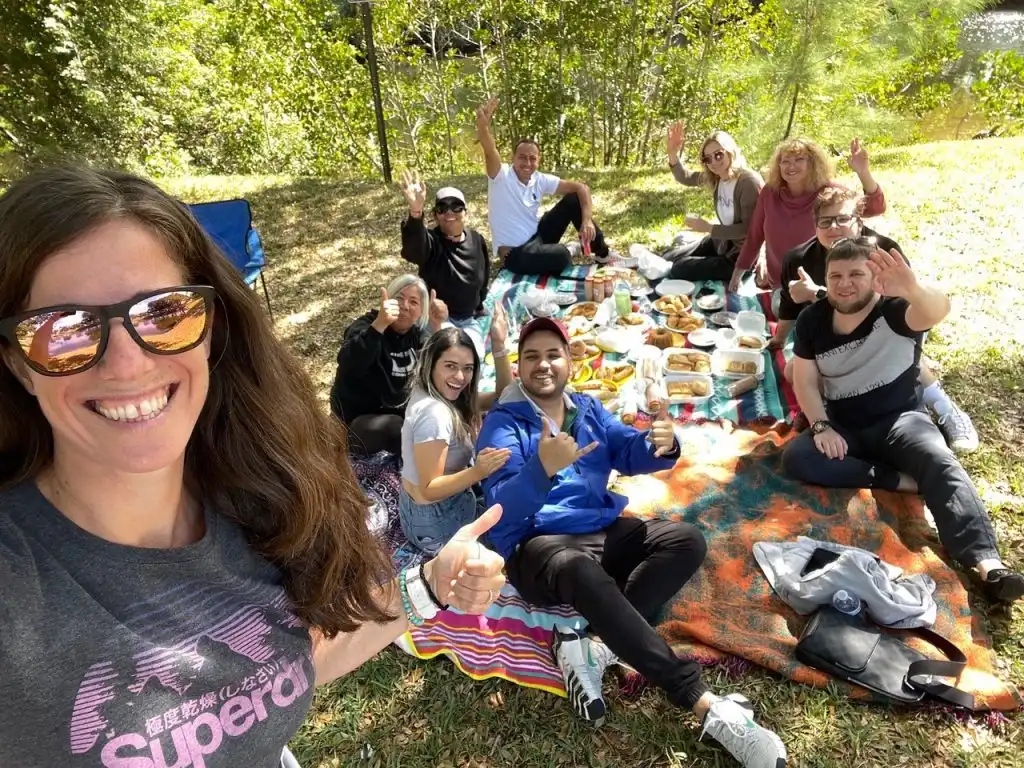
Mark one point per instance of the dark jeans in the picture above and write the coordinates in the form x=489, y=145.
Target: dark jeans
x=699, y=261
x=912, y=444
x=543, y=254
x=618, y=579
x=375, y=432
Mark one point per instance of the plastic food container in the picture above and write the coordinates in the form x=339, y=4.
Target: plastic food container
x=689, y=399
x=722, y=358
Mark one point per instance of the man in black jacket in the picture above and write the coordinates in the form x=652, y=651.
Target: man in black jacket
x=837, y=215
x=452, y=260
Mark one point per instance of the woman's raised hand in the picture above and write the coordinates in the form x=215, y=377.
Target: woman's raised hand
x=676, y=139
x=415, y=192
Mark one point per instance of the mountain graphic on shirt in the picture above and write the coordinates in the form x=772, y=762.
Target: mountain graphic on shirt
x=169, y=655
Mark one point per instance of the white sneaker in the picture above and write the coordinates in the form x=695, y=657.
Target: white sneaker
x=583, y=662
x=730, y=723
x=958, y=429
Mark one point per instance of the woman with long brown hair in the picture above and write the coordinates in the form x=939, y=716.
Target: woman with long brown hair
x=442, y=420
x=183, y=545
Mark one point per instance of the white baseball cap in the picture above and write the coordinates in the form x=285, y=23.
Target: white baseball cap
x=444, y=192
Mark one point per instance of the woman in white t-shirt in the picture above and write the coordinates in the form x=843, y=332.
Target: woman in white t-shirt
x=442, y=419
x=734, y=188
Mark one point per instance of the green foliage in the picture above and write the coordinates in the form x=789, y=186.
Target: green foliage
x=282, y=86
x=1000, y=91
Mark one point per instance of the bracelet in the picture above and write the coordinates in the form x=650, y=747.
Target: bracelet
x=430, y=591
x=498, y=354
x=416, y=214
x=414, y=618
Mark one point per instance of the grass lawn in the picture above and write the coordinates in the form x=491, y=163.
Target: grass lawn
x=958, y=211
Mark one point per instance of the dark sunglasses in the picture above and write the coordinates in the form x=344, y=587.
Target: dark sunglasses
x=714, y=157
x=827, y=222
x=71, y=338
x=449, y=207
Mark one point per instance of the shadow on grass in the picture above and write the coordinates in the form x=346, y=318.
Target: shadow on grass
x=419, y=714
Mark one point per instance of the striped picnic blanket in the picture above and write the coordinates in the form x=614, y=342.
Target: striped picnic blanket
x=771, y=403
x=512, y=641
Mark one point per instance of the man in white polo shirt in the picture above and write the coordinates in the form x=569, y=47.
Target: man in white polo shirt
x=529, y=243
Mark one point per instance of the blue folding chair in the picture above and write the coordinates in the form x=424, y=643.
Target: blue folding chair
x=229, y=225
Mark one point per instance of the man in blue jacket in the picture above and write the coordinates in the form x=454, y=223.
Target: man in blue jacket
x=564, y=541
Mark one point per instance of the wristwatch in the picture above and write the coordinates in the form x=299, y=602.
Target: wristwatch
x=820, y=426
x=423, y=602
x=820, y=294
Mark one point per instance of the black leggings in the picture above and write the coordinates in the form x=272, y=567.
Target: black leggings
x=543, y=254
x=619, y=579
x=910, y=443
x=375, y=432
x=699, y=261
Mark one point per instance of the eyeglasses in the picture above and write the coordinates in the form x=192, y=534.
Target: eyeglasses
x=449, y=207
x=827, y=222
x=71, y=338
x=715, y=156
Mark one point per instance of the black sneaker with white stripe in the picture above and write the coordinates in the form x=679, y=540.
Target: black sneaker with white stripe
x=582, y=662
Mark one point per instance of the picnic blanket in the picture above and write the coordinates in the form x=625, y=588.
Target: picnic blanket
x=730, y=484
x=771, y=403
x=512, y=641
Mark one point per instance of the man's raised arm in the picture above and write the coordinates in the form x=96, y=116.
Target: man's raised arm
x=484, y=115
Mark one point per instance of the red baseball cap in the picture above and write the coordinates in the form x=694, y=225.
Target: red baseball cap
x=554, y=325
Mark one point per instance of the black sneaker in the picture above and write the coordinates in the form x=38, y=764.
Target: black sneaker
x=1003, y=585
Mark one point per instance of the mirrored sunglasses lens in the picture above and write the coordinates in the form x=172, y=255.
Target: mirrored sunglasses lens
x=172, y=321
x=60, y=342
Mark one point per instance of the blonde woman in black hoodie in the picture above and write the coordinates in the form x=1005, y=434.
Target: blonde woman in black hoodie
x=734, y=188
x=376, y=360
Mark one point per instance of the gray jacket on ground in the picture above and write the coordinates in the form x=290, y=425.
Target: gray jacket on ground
x=889, y=597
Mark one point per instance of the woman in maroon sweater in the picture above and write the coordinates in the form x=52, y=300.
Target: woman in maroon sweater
x=783, y=219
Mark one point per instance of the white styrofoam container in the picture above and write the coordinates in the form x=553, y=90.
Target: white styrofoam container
x=722, y=357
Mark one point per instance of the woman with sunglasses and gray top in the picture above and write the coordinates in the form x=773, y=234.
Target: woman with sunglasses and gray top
x=183, y=544
x=452, y=259
x=733, y=186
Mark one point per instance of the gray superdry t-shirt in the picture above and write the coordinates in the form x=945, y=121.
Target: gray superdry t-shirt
x=136, y=658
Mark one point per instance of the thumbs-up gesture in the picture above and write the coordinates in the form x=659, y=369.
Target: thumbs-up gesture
x=387, y=314
x=803, y=290
x=663, y=433
x=557, y=450
x=465, y=574
x=438, y=311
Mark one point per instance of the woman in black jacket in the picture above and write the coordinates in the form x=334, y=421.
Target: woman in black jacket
x=376, y=359
x=452, y=259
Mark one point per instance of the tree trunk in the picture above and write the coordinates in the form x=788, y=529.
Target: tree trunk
x=443, y=92
x=508, y=90
x=561, y=81
x=654, y=98
x=395, y=95
x=792, y=111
